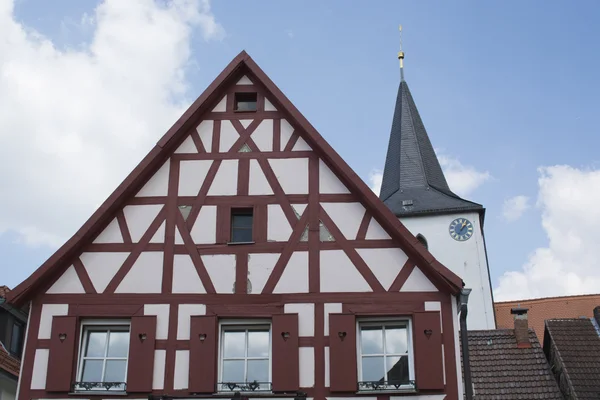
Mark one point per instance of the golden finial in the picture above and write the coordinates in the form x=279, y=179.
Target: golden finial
x=401, y=55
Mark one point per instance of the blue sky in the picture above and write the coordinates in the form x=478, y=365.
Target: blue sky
x=504, y=88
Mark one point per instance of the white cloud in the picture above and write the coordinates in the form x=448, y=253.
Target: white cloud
x=513, y=208
x=568, y=198
x=375, y=179
x=462, y=179
x=75, y=122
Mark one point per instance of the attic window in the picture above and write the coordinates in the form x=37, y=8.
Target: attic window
x=241, y=225
x=245, y=101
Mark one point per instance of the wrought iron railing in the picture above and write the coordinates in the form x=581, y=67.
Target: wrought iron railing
x=366, y=386
x=91, y=386
x=253, y=386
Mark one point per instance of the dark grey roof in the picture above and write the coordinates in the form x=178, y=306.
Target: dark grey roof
x=412, y=171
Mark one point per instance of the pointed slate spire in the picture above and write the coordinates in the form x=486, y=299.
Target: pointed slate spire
x=413, y=181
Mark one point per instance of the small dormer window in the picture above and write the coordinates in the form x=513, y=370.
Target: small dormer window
x=245, y=101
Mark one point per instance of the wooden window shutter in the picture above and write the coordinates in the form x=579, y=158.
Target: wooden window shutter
x=203, y=354
x=285, y=367
x=429, y=369
x=61, y=355
x=140, y=366
x=343, y=375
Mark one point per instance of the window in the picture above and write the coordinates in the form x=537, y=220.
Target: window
x=241, y=225
x=245, y=357
x=16, y=339
x=422, y=240
x=385, y=355
x=103, y=357
x=245, y=101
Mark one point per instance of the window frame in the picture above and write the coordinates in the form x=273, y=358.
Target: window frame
x=241, y=211
x=242, y=324
x=243, y=94
x=99, y=324
x=20, y=337
x=382, y=322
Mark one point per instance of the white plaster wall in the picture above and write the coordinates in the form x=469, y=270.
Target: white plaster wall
x=278, y=227
x=185, y=276
x=466, y=259
x=246, y=122
x=191, y=176
x=228, y=136
x=269, y=106
x=159, y=235
x=221, y=106
x=187, y=147
x=306, y=317
x=221, y=269
x=244, y=81
x=225, y=182
x=327, y=374
x=162, y=318
x=307, y=366
x=295, y=275
x=331, y=308
x=204, y=229
x=257, y=181
x=418, y=282
x=110, y=234
x=145, y=275
x=184, y=318
x=139, y=219
x=375, y=231
x=328, y=182
x=182, y=369
x=260, y=267
x=158, y=375
x=299, y=208
x=102, y=267
x=292, y=174
x=301, y=145
x=40, y=369
x=205, y=131
x=48, y=312
x=157, y=185
x=338, y=273
x=285, y=132
x=67, y=283
x=263, y=135
x=347, y=217
x=385, y=263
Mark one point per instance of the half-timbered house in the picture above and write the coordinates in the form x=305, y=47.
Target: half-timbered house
x=242, y=255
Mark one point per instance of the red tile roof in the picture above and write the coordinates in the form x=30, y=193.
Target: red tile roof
x=9, y=363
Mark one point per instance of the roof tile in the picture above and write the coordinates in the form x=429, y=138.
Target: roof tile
x=9, y=363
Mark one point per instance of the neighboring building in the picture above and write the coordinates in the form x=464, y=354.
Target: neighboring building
x=415, y=189
x=12, y=333
x=510, y=364
x=547, y=308
x=242, y=254
x=572, y=347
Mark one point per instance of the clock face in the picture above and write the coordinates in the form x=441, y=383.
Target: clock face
x=461, y=229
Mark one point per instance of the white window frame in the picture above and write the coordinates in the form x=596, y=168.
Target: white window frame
x=98, y=324
x=381, y=322
x=243, y=324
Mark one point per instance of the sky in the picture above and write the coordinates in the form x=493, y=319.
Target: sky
x=508, y=92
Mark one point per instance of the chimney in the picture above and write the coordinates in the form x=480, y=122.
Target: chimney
x=521, y=327
x=597, y=315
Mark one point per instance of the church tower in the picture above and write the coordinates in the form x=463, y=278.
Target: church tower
x=415, y=189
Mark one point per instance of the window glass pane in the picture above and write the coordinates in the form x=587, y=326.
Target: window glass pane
x=234, y=343
x=397, y=369
x=115, y=371
x=258, y=343
x=233, y=371
x=242, y=220
x=371, y=340
x=96, y=344
x=118, y=344
x=396, y=340
x=92, y=371
x=15, y=339
x=258, y=370
x=241, y=235
x=372, y=368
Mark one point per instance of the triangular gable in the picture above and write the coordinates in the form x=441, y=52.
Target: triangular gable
x=299, y=135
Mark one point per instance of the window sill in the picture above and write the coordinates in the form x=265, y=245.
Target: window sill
x=97, y=393
x=387, y=391
x=239, y=243
x=245, y=111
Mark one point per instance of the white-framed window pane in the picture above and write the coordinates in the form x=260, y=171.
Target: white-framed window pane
x=396, y=340
x=371, y=339
x=118, y=344
x=397, y=369
x=258, y=370
x=115, y=371
x=258, y=343
x=96, y=344
x=372, y=368
x=92, y=371
x=233, y=370
x=234, y=343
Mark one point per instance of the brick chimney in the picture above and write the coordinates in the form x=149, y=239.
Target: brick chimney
x=521, y=327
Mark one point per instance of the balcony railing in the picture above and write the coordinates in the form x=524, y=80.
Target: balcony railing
x=253, y=386
x=96, y=386
x=367, y=386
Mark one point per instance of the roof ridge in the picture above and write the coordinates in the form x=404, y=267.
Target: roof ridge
x=548, y=298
